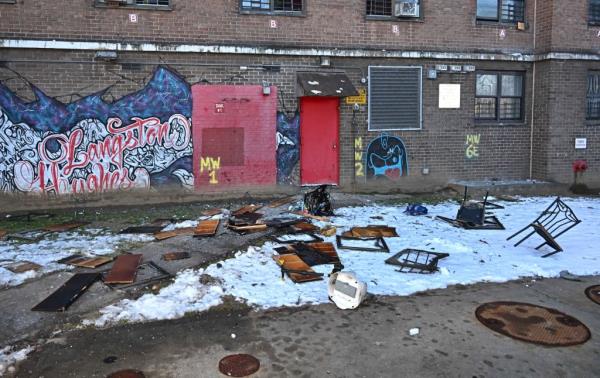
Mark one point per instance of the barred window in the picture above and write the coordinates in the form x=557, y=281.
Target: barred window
x=510, y=11
x=594, y=14
x=134, y=3
x=379, y=7
x=152, y=2
x=593, y=96
x=499, y=96
x=272, y=5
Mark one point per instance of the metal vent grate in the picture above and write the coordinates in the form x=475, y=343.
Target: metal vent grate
x=395, y=99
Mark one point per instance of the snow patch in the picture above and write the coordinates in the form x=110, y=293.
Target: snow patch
x=9, y=357
x=475, y=256
x=53, y=247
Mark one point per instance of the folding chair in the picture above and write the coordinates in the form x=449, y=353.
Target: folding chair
x=557, y=219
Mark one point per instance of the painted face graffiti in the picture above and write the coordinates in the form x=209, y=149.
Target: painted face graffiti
x=75, y=163
x=386, y=157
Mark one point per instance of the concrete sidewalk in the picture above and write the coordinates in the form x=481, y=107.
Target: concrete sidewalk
x=322, y=341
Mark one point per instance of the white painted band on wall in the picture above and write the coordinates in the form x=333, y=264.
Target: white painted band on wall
x=248, y=50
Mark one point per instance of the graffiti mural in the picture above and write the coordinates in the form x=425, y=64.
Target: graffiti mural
x=386, y=158
x=472, y=143
x=288, y=146
x=139, y=141
x=359, y=167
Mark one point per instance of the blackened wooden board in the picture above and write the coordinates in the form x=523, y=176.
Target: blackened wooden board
x=62, y=298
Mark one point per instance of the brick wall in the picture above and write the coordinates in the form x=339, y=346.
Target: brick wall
x=560, y=118
x=445, y=26
x=439, y=146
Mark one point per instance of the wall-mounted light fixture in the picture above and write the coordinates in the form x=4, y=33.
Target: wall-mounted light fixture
x=325, y=61
x=266, y=88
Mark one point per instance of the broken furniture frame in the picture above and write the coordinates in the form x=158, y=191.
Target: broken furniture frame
x=377, y=244
x=296, y=269
x=372, y=231
x=474, y=217
x=416, y=261
x=557, y=219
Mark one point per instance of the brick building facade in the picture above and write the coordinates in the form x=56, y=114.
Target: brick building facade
x=105, y=95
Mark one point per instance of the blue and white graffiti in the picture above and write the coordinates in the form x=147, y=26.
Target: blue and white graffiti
x=139, y=141
x=288, y=146
x=386, y=157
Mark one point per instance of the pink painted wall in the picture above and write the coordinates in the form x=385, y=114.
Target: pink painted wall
x=234, y=136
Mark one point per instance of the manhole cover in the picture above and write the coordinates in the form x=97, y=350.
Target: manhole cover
x=534, y=324
x=593, y=292
x=239, y=365
x=129, y=373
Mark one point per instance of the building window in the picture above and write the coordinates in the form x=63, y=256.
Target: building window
x=499, y=96
x=379, y=7
x=272, y=5
x=135, y=3
x=395, y=98
x=509, y=11
x=593, y=96
x=396, y=8
x=594, y=16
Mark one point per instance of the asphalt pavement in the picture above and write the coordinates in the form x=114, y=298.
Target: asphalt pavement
x=323, y=341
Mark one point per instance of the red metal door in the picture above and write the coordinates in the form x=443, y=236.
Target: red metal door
x=319, y=140
x=234, y=136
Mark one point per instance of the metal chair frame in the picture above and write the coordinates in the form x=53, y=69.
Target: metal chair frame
x=549, y=226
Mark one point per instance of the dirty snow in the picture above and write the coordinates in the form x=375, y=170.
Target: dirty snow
x=186, y=294
x=9, y=357
x=475, y=256
x=55, y=246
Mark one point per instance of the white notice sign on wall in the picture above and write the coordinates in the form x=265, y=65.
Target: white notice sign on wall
x=449, y=96
x=580, y=143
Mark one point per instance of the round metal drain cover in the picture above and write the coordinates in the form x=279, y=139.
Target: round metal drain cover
x=534, y=324
x=593, y=292
x=129, y=373
x=239, y=365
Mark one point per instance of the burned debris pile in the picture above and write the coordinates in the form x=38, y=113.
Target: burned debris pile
x=318, y=202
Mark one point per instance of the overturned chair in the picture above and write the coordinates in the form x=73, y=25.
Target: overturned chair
x=473, y=215
x=557, y=219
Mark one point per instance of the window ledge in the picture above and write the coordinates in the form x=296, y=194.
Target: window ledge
x=394, y=19
x=140, y=7
x=497, y=24
x=503, y=123
x=8, y=1
x=273, y=13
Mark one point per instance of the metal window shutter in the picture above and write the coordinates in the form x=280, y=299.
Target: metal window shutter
x=395, y=98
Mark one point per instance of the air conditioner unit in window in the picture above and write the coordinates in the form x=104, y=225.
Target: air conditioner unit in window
x=406, y=8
